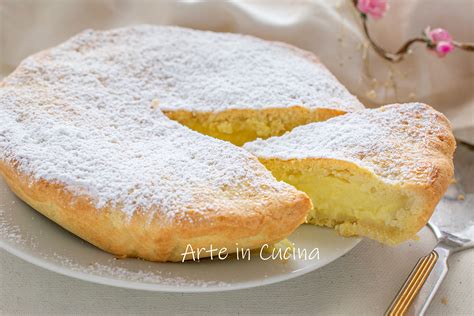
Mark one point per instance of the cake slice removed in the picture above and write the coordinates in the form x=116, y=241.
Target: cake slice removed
x=377, y=173
x=239, y=88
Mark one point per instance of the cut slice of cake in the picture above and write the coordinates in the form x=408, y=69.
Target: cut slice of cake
x=377, y=173
x=238, y=88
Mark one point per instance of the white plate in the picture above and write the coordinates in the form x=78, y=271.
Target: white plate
x=32, y=237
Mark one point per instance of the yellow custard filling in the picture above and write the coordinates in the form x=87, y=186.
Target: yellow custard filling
x=243, y=125
x=351, y=199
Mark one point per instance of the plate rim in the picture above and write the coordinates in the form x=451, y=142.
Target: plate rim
x=156, y=287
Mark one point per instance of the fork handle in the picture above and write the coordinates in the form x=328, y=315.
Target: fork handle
x=421, y=285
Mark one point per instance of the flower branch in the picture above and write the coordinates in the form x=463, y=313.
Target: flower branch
x=438, y=40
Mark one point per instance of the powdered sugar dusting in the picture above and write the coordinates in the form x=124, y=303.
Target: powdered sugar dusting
x=9, y=232
x=110, y=270
x=395, y=142
x=193, y=70
x=80, y=115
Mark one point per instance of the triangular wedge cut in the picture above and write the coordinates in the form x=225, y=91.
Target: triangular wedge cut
x=377, y=173
x=81, y=143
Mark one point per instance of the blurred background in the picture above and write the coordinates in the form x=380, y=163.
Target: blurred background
x=331, y=29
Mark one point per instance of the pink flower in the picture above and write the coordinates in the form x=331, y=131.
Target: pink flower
x=374, y=8
x=438, y=35
x=443, y=48
x=440, y=40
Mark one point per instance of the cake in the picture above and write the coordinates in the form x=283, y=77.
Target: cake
x=106, y=134
x=82, y=143
x=377, y=173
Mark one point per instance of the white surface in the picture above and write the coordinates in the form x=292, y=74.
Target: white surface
x=363, y=281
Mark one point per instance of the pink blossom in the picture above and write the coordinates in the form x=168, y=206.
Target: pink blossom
x=438, y=35
x=440, y=41
x=374, y=8
x=443, y=48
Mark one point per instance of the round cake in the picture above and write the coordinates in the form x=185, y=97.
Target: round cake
x=83, y=139
x=105, y=134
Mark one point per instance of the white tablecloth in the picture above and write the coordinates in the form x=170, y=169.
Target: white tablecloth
x=362, y=282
